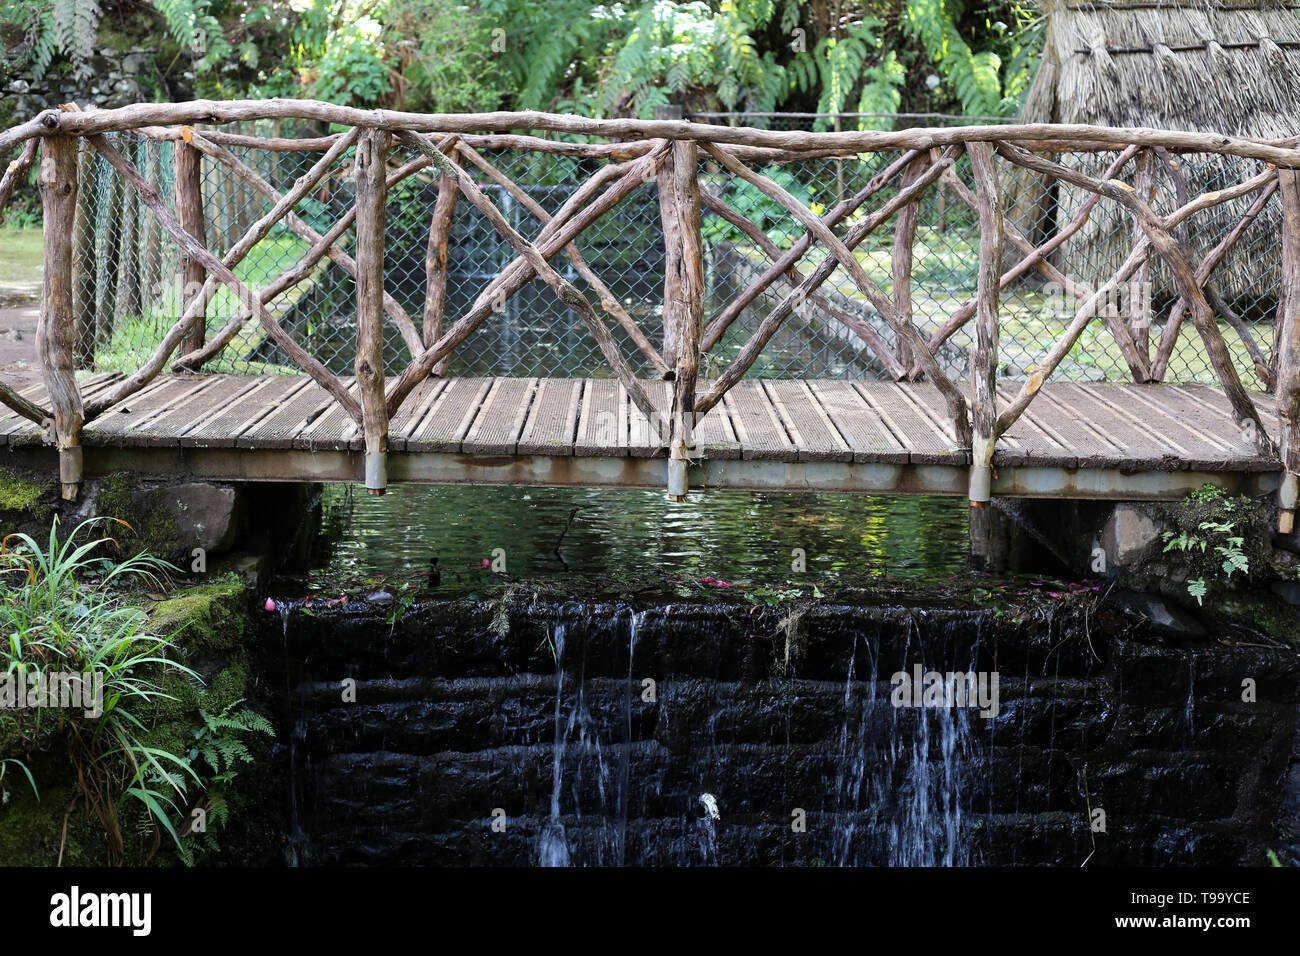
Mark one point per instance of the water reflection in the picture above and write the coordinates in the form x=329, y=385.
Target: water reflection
x=614, y=536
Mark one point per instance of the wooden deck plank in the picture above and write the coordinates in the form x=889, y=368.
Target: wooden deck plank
x=758, y=426
x=444, y=426
x=867, y=435
x=1085, y=425
x=87, y=385
x=1027, y=442
x=16, y=424
x=294, y=414
x=118, y=424
x=166, y=428
x=222, y=427
x=926, y=443
x=501, y=418
x=1091, y=446
x=1141, y=445
x=24, y=431
x=930, y=403
x=806, y=422
x=1206, y=411
x=715, y=436
x=1209, y=444
x=553, y=419
x=334, y=429
x=645, y=440
x=413, y=411
x=599, y=421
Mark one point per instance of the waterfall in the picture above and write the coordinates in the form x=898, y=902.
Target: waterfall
x=554, y=846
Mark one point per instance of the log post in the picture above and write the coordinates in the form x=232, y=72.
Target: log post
x=189, y=211
x=372, y=192
x=1288, y=351
x=679, y=208
x=1139, y=288
x=984, y=363
x=435, y=263
x=904, y=240
x=56, y=331
x=672, y=239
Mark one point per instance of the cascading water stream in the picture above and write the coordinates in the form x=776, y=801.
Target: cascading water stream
x=296, y=845
x=554, y=846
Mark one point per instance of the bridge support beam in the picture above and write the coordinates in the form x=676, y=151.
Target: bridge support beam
x=56, y=331
x=1287, y=349
x=984, y=362
x=372, y=192
x=679, y=209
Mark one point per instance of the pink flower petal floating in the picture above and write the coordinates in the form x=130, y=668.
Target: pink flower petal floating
x=270, y=604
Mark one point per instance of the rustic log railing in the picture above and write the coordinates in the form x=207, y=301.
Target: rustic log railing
x=666, y=152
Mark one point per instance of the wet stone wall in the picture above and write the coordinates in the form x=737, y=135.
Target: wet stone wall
x=701, y=735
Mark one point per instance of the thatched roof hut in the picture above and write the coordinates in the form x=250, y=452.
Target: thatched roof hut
x=1228, y=66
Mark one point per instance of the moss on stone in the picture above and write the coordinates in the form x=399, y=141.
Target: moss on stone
x=22, y=500
x=1261, y=611
x=150, y=528
x=204, y=618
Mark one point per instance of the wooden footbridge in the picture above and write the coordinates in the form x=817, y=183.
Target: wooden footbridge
x=922, y=432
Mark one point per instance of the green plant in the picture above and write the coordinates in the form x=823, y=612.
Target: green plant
x=987, y=82
x=218, y=745
x=1216, y=534
x=66, y=610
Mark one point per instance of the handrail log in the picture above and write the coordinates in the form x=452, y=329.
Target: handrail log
x=232, y=111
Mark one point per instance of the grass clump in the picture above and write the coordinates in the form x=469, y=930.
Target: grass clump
x=66, y=610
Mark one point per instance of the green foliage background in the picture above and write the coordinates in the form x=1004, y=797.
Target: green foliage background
x=603, y=59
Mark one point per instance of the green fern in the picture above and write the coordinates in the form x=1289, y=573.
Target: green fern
x=977, y=78
x=68, y=27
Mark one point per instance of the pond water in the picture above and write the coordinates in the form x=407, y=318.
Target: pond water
x=617, y=537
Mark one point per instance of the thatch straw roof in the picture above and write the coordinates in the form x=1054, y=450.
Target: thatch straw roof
x=1228, y=66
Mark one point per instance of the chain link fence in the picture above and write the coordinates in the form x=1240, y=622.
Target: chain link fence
x=128, y=294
